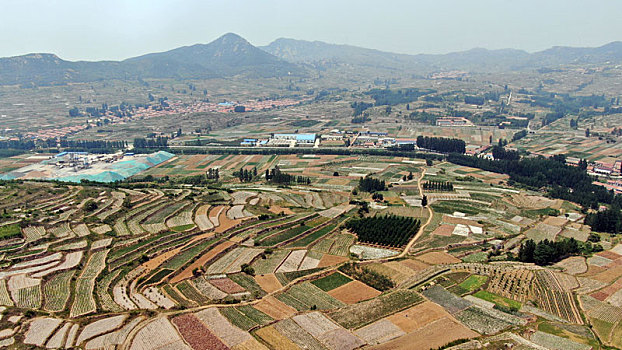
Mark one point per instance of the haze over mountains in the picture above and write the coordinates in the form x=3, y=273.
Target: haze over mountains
x=231, y=55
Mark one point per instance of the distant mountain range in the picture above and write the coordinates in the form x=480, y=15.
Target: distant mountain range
x=478, y=59
x=231, y=55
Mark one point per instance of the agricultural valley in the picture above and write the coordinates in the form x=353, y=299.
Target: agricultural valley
x=311, y=202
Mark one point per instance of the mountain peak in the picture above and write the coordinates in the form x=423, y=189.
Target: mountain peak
x=231, y=38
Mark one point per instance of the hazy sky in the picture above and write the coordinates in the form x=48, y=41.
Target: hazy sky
x=116, y=29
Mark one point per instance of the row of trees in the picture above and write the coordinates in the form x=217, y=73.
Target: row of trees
x=498, y=152
x=390, y=230
x=562, y=181
x=246, y=175
x=370, y=184
x=91, y=145
x=157, y=142
x=438, y=186
x=278, y=177
x=441, y=144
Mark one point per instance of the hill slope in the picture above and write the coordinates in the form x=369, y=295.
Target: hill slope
x=227, y=56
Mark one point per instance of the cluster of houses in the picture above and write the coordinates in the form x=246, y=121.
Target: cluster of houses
x=284, y=140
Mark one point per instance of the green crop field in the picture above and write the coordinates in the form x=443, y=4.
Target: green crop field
x=331, y=281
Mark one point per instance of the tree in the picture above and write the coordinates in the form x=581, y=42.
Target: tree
x=544, y=253
x=526, y=250
x=336, y=173
x=239, y=109
x=424, y=201
x=587, y=132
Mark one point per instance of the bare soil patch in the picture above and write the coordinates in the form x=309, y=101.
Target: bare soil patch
x=353, y=292
x=268, y=282
x=435, y=258
x=431, y=336
x=275, y=308
x=330, y=260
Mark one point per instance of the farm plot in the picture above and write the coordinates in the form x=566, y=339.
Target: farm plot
x=433, y=335
x=214, y=214
x=327, y=332
x=121, y=228
x=230, y=335
x=154, y=295
x=176, y=258
x=56, y=341
x=449, y=301
x=473, y=282
x=197, y=334
x=233, y=260
x=237, y=212
x=71, y=246
x=249, y=283
x=101, y=243
x=435, y=258
x=71, y=260
x=246, y=317
x=100, y=327
x=159, y=216
x=268, y=282
x=271, y=262
x=190, y=292
x=478, y=320
x=341, y=246
x=370, y=253
x=158, y=334
x=308, y=239
x=353, y=292
x=208, y=289
x=25, y=291
x=274, y=308
x=57, y=291
x=201, y=218
x=284, y=235
x=81, y=230
x=379, y=332
x=275, y=339
x=5, y=298
x=85, y=284
x=515, y=284
x=182, y=219
x=291, y=330
x=62, y=231
x=360, y=314
x=201, y=261
x=293, y=261
x=105, y=299
x=331, y=281
x=176, y=296
x=417, y=316
x=41, y=329
x=226, y=285
x=305, y=295
x=113, y=338
x=33, y=233
x=238, y=319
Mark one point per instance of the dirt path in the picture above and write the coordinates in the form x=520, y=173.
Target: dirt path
x=420, y=232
